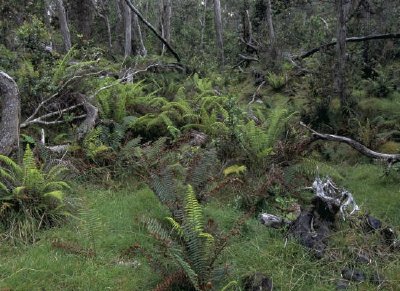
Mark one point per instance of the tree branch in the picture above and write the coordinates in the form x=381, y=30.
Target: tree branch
x=389, y=158
x=349, y=39
x=151, y=27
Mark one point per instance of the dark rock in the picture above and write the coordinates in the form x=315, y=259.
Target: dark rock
x=313, y=227
x=377, y=279
x=353, y=275
x=257, y=282
x=372, y=223
x=363, y=258
x=342, y=284
x=389, y=236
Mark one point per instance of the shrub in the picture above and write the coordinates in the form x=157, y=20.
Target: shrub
x=31, y=198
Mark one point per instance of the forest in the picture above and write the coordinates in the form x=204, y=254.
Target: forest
x=199, y=145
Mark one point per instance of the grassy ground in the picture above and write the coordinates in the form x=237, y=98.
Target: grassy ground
x=86, y=254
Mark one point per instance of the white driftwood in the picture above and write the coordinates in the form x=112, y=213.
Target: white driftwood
x=329, y=192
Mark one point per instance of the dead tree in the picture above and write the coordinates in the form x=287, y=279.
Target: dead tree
x=271, y=30
x=219, y=30
x=62, y=16
x=10, y=114
x=138, y=36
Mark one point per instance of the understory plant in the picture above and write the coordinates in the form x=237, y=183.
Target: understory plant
x=187, y=243
x=31, y=197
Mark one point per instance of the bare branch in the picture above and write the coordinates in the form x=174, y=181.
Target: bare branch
x=389, y=158
x=349, y=39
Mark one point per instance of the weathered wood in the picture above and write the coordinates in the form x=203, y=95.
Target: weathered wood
x=389, y=158
x=151, y=27
x=62, y=16
x=349, y=39
x=10, y=114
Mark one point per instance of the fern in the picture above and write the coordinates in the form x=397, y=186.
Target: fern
x=32, y=198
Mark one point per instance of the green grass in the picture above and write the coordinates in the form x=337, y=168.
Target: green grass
x=109, y=223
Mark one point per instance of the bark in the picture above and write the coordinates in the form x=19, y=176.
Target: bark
x=166, y=21
x=91, y=116
x=62, y=16
x=219, y=30
x=102, y=12
x=128, y=30
x=349, y=39
x=10, y=114
x=203, y=24
x=271, y=30
x=151, y=27
x=84, y=12
x=341, y=34
x=141, y=49
x=389, y=158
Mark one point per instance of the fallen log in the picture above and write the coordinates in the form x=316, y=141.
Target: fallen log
x=389, y=158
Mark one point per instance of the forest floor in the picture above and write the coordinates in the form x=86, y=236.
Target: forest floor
x=96, y=250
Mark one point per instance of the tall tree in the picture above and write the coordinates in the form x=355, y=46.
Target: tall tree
x=138, y=36
x=62, y=16
x=342, y=9
x=165, y=21
x=271, y=31
x=128, y=30
x=219, y=30
x=10, y=114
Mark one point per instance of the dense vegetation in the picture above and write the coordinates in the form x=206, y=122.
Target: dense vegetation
x=141, y=140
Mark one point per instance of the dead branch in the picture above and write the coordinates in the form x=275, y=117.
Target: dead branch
x=389, y=158
x=10, y=114
x=151, y=27
x=349, y=39
x=248, y=58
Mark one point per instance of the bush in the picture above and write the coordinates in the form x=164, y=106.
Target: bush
x=31, y=198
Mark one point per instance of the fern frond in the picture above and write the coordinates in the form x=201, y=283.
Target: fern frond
x=29, y=159
x=59, y=195
x=12, y=165
x=193, y=211
x=175, y=226
x=3, y=188
x=5, y=175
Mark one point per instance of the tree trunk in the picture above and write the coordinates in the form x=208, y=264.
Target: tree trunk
x=271, y=31
x=219, y=30
x=166, y=12
x=128, y=30
x=141, y=49
x=340, y=74
x=203, y=24
x=10, y=114
x=62, y=16
x=151, y=27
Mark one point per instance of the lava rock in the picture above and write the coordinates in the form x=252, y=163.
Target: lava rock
x=257, y=282
x=372, y=223
x=389, y=236
x=353, y=275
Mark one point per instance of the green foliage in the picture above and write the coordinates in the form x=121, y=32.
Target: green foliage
x=30, y=198
x=188, y=245
x=277, y=82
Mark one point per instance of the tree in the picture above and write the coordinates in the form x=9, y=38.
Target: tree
x=62, y=16
x=10, y=114
x=165, y=21
x=128, y=30
x=219, y=30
